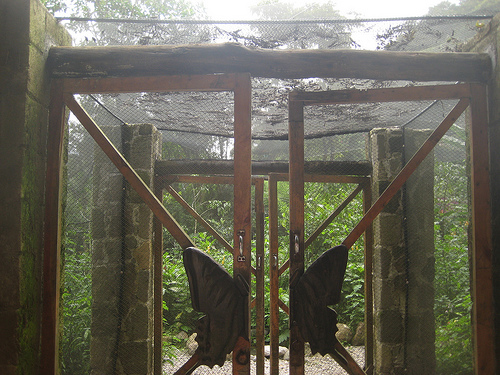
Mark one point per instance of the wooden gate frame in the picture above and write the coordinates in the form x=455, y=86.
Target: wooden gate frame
x=165, y=173
x=62, y=96
x=470, y=95
x=474, y=94
x=363, y=185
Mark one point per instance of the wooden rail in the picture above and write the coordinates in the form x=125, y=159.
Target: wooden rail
x=130, y=61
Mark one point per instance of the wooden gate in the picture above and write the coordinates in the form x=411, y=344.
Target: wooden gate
x=469, y=95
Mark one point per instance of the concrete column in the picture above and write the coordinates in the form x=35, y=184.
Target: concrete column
x=122, y=309
x=28, y=31
x=403, y=269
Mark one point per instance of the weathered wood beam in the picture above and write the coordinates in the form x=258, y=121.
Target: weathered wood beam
x=130, y=61
x=392, y=94
x=226, y=167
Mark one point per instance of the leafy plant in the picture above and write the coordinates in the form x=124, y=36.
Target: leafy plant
x=452, y=282
x=76, y=314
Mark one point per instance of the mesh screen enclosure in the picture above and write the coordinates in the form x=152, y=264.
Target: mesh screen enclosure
x=420, y=300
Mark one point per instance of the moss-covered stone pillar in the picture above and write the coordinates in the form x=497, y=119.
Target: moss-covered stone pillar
x=122, y=280
x=27, y=32
x=402, y=266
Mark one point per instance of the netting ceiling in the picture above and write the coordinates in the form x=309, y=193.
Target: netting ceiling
x=200, y=114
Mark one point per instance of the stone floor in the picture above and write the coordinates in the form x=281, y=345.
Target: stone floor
x=314, y=365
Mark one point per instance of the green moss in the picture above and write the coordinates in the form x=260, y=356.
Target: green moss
x=31, y=239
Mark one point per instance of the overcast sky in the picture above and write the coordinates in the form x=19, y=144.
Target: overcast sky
x=239, y=10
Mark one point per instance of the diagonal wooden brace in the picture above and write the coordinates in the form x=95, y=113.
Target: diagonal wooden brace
x=406, y=172
x=188, y=367
x=344, y=359
x=129, y=173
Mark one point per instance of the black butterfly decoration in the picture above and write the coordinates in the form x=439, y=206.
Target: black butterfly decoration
x=222, y=298
x=313, y=294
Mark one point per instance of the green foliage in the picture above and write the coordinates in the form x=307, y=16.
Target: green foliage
x=452, y=282
x=454, y=344
x=178, y=314
x=278, y=10
x=159, y=9
x=285, y=36
x=463, y=7
x=76, y=304
x=99, y=33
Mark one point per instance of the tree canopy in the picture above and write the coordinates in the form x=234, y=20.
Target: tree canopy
x=278, y=10
x=464, y=7
x=140, y=9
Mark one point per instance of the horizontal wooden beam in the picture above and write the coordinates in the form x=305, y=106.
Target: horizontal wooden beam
x=392, y=94
x=226, y=167
x=130, y=61
x=217, y=82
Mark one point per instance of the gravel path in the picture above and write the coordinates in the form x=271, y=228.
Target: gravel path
x=314, y=365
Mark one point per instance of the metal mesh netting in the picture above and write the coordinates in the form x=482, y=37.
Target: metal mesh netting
x=108, y=297
x=436, y=33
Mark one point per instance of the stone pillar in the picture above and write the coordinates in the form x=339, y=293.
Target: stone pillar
x=403, y=271
x=122, y=309
x=389, y=260
x=419, y=209
x=27, y=33
x=107, y=248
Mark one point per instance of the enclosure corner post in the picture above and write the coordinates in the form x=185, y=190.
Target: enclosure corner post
x=482, y=262
x=52, y=234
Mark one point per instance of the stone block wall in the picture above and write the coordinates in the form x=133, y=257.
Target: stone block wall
x=401, y=273
x=122, y=307
x=28, y=31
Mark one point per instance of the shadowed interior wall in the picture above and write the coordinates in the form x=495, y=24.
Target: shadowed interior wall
x=28, y=31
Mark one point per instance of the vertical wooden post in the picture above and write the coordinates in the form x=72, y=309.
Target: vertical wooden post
x=296, y=173
x=482, y=289
x=259, y=274
x=158, y=283
x=368, y=236
x=273, y=274
x=242, y=203
x=49, y=362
